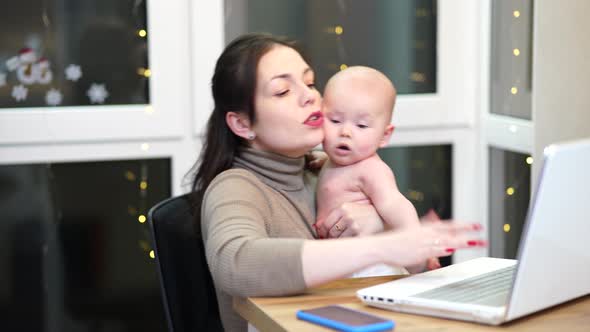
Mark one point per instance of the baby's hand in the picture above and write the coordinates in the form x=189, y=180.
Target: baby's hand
x=314, y=160
x=430, y=215
x=432, y=263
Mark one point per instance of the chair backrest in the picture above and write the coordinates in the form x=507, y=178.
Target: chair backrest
x=187, y=289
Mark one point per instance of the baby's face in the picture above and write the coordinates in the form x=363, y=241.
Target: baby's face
x=354, y=125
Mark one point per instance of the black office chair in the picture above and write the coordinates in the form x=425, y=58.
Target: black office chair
x=188, y=292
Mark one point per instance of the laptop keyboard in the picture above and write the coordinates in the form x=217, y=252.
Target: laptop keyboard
x=487, y=289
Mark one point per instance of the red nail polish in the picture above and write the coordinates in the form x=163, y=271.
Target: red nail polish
x=472, y=243
x=450, y=250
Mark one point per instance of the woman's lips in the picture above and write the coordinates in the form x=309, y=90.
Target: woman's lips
x=315, y=119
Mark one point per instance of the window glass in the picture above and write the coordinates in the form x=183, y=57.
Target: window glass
x=510, y=178
x=424, y=175
x=73, y=52
x=396, y=37
x=511, y=54
x=75, y=250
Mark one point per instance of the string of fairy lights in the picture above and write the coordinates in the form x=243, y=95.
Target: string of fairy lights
x=139, y=211
x=142, y=182
x=516, y=50
x=416, y=76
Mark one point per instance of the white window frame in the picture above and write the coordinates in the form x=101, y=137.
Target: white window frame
x=453, y=103
x=162, y=129
x=498, y=131
x=451, y=106
x=450, y=115
x=207, y=40
x=187, y=35
x=167, y=50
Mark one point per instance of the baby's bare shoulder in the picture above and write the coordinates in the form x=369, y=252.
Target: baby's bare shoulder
x=374, y=163
x=373, y=168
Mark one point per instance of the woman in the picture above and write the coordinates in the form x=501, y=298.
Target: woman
x=257, y=211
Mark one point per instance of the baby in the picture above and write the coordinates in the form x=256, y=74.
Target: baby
x=358, y=106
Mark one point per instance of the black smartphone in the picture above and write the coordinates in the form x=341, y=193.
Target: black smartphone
x=345, y=319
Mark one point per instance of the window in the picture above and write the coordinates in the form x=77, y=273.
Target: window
x=427, y=58
x=75, y=247
x=424, y=175
x=83, y=71
x=511, y=53
x=510, y=178
x=396, y=37
x=68, y=53
x=508, y=140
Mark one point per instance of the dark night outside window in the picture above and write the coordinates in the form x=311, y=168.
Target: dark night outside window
x=74, y=253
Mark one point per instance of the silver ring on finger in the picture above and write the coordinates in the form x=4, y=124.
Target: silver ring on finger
x=338, y=227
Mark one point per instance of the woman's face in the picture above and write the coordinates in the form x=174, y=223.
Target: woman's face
x=287, y=104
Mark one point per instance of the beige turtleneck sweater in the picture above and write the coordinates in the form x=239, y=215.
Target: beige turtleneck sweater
x=254, y=220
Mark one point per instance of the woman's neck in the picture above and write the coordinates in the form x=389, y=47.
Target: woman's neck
x=278, y=171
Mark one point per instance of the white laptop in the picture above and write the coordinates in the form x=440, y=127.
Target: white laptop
x=553, y=263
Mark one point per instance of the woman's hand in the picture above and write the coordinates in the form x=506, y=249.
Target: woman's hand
x=413, y=246
x=432, y=263
x=350, y=219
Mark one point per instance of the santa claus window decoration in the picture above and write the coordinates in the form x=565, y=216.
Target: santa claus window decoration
x=74, y=53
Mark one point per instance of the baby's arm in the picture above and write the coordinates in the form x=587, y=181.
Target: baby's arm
x=395, y=209
x=378, y=182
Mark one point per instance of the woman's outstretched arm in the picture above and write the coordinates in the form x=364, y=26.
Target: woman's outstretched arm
x=326, y=260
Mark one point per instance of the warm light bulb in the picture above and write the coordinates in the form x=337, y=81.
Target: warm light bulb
x=509, y=191
x=516, y=13
x=141, y=218
x=529, y=160
x=145, y=146
x=143, y=244
x=143, y=185
x=343, y=66
x=514, y=90
x=130, y=176
x=144, y=72
x=418, y=77
x=152, y=254
x=142, y=33
x=506, y=228
x=516, y=52
x=338, y=30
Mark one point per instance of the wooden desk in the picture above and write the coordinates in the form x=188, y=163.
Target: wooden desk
x=278, y=313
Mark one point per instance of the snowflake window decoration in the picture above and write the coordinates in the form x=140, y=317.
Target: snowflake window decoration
x=53, y=97
x=19, y=92
x=97, y=93
x=73, y=73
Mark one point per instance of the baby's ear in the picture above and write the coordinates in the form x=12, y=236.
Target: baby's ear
x=386, y=135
